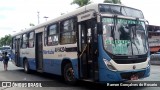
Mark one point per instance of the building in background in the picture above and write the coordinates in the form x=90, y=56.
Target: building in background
x=154, y=38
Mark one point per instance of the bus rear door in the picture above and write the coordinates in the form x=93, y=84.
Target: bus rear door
x=17, y=52
x=39, y=52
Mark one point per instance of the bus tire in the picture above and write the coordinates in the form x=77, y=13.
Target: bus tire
x=69, y=74
x=26, y=67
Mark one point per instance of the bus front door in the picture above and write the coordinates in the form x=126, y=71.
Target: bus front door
x=87, y=50
x=39, y=52
x=17, y=52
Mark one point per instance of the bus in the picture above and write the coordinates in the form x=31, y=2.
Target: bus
x=99, y=42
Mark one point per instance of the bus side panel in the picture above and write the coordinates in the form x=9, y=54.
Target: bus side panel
x=104, y=73
x=28, y=53
x=50, y=60
x=147, y=72
x=46, y=65
x=75, y=67
x=53, y=57
x=32, y=63
x=52, y=66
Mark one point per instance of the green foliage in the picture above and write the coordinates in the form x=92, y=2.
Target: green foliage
x=113, y=1
x=81, y=2
x=31, y=24
x=6, y=40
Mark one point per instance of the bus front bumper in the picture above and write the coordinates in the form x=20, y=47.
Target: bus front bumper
x=107, y=75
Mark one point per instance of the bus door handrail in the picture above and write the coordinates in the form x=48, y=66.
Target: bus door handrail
x=83, y=50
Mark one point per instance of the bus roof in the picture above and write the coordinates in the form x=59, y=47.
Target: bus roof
x=92, y=6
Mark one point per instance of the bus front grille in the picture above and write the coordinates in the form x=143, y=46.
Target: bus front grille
x=129, y=61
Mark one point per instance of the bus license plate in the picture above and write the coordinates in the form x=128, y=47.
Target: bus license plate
x=134, y=77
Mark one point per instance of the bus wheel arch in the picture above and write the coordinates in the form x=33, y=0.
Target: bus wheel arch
x=68, y=72
x=26, y=65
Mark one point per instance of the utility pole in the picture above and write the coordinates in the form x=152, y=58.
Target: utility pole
x=38, y=16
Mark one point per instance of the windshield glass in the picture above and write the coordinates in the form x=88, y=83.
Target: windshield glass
x=126, y=37
x=120, y=10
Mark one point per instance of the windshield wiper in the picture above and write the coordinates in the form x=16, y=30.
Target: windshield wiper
x=135, y=46
x=114, y=28
x=132, y=28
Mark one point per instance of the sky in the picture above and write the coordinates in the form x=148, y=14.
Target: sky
x=16, y=15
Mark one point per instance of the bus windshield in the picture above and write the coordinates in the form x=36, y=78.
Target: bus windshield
x=126, y=37
x=120, y=10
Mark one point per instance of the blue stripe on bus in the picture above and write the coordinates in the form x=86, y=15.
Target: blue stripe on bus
x=109, y=75
x=102, y=53
x=147, y=73
x=52, y=66
x=104, y=73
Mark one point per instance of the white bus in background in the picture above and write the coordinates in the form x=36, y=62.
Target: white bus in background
x=97, y=42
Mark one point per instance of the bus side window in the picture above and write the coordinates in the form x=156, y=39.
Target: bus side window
x=68, y=34
x=45, y=36
x=53, y=35
x=24, y=41
x=31, y=40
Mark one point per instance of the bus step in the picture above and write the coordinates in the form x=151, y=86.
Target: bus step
x=41, y=71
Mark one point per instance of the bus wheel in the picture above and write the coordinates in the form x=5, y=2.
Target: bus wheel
x=26, y=67
x=69, y=74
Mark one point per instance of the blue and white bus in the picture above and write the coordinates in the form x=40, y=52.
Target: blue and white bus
x=97, y=42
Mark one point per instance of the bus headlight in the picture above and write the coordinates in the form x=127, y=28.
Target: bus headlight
x=108, y=64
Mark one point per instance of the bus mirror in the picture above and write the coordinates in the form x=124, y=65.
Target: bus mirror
x=147, y=24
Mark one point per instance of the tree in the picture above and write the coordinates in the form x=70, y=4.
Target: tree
x=81, y=3
x=113, y=1
x=31, y=24
x=6, y=40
